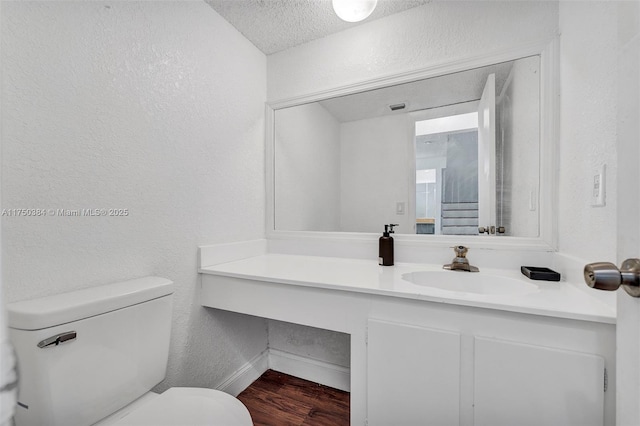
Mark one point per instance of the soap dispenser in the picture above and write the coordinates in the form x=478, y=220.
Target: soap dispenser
x=385, y=246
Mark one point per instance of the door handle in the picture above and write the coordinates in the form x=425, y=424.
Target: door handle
x=606, y=276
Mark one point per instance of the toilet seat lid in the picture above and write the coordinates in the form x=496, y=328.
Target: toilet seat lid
x=190, y=406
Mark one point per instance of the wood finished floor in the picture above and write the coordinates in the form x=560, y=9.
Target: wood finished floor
x=277, y=399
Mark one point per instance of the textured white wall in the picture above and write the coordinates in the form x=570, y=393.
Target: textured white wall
x=309, y=342
x=588, y=128
x=307, y=152
x=154, y=107
x=375, y=155
x=438, y=32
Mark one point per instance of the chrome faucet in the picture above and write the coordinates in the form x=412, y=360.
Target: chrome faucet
x=460, y=262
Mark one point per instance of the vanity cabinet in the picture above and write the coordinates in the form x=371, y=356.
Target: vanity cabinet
x=422, y=357
x=422, y=376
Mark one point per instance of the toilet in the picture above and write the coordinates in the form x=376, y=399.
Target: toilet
x=92, y=356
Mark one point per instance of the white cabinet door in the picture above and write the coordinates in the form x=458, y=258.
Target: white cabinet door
x=518, y=384
x=413, y=375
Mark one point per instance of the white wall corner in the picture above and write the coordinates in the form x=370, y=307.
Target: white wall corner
x=216, y=254
x=245, y=375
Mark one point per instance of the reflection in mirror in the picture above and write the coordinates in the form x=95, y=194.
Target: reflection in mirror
x=445, y=155
x=447, y=184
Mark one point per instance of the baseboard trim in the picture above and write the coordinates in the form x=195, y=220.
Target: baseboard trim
x=313, y=370
x=325, y=373
x=245, y=375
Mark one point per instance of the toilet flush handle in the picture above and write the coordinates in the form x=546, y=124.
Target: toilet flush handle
x=57, y=339
x=606, y=276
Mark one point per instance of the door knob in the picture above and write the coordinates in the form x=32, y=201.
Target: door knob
x=606, y=276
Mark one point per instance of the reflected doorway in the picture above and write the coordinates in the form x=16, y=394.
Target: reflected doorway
x=447, y=175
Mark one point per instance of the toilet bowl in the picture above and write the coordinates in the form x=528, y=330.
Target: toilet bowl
x=181, y=406
x=91, y=357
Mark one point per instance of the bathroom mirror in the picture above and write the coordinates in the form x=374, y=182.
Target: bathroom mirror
x=443, y=155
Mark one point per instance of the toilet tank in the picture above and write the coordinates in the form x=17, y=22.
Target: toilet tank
x=84, y=354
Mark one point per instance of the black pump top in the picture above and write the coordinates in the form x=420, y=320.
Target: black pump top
x=388, y=229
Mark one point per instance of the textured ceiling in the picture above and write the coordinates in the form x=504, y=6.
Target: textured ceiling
x=275, y=25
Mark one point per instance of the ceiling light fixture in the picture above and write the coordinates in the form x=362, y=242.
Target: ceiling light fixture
x=353, y=10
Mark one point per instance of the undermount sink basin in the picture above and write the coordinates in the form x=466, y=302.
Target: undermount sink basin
x=470, y=282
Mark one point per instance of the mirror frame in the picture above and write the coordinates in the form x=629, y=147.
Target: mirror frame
x=549, y=138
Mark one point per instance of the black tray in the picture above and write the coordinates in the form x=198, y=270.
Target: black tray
x=537, y=273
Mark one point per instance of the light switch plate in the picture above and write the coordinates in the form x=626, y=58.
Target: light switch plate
x=400, y=208
x=598, y=187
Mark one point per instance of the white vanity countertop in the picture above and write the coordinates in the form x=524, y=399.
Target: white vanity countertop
x=555, y=299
